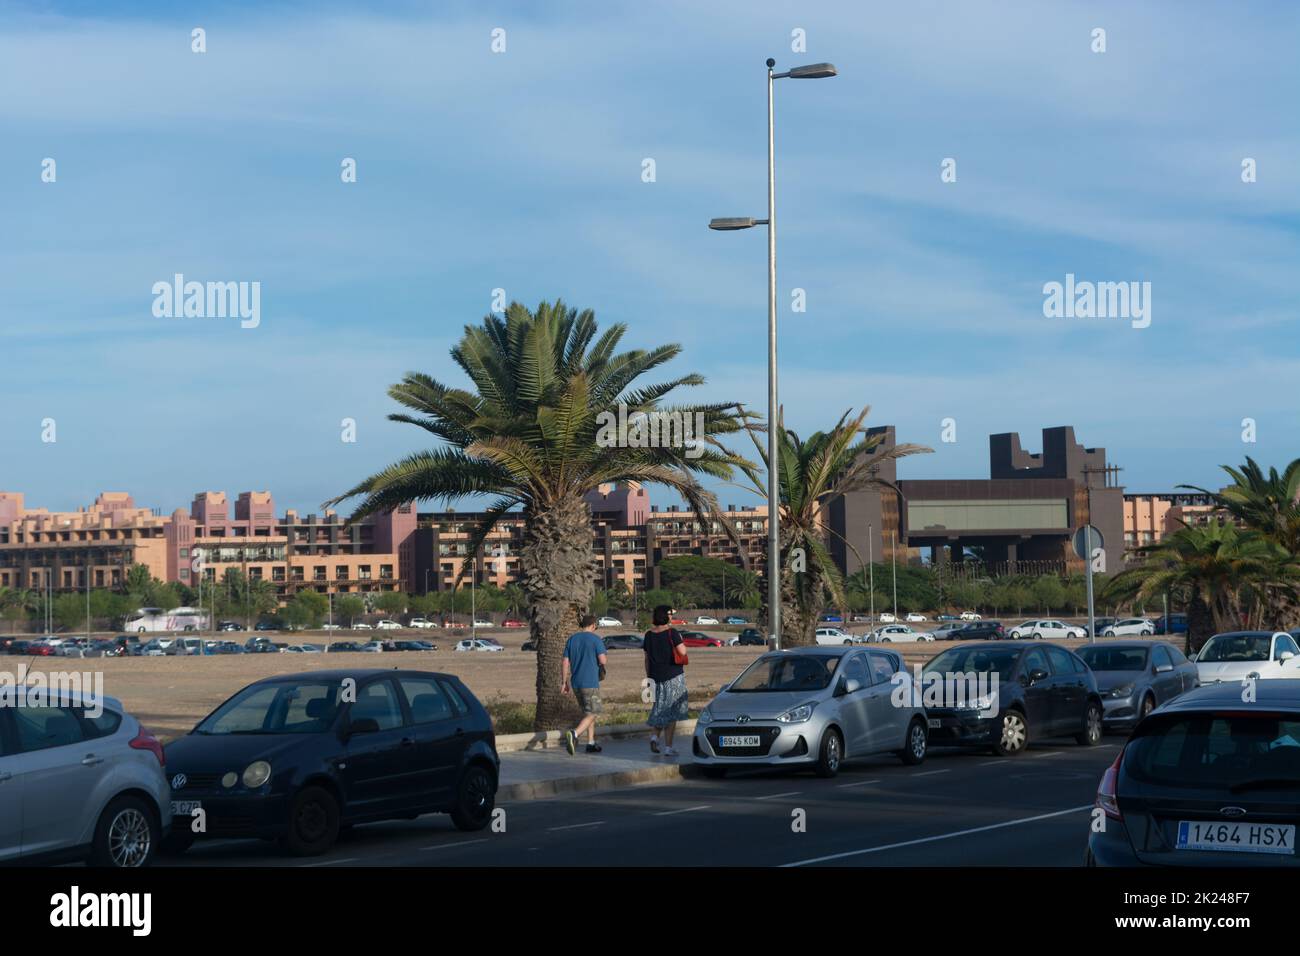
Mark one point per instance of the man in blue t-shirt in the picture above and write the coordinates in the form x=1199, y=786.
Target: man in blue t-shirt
x=584, y=662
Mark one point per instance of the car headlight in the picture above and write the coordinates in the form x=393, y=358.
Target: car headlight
x=706, y=717
x=257, y=774
x=797, y=715
x=1125, y=691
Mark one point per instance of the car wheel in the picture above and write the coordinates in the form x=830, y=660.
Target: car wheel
x=313, y=822
x=475, y=799
x=714, y=773
x=1148, y=705
x=830, y=754
x=886, y=640
x=126, y=836
x=848, y=642
x=918, y=739
x=1090, y=736
x=1015, y=735
x=1036, y=636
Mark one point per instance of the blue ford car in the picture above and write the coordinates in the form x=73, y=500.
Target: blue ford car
x=296, y=757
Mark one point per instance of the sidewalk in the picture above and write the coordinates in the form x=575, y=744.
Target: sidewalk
x=538, y=773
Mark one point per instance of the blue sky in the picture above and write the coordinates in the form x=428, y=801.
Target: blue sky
x=522, y=170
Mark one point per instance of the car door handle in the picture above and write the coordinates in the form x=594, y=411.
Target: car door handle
x=90, y=760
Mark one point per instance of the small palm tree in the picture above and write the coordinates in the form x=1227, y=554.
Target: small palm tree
x=813, y=473
x=1239, y=576
x=1268, y=504
x=533, y=432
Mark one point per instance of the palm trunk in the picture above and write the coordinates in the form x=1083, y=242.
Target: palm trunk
x=555, y=566
x=1200, y=625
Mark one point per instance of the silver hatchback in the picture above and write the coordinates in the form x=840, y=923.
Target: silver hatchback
x=813, y=707
x=79, y=782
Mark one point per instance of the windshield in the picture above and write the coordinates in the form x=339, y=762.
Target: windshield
x=978, y=660
x=1226, y=648
x=787, y=673
x=1239, y=752
x=279, y=708
x=1114, y=658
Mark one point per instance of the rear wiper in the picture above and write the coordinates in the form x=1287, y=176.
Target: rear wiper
x=1267, y=783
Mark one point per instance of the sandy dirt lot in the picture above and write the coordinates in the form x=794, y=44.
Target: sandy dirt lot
x=170, y=694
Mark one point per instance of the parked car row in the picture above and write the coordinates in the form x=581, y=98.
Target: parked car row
x=293, y=758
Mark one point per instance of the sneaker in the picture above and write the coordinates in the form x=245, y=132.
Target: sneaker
x=654, y=745
x=593, y=748
x=669, y=752
x=570, y=742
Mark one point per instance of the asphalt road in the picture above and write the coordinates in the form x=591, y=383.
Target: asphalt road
x=958, y=808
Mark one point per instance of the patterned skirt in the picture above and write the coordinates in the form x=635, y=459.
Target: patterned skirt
x=672, y=703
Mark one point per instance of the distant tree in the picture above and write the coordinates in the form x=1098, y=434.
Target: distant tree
x=349, y=607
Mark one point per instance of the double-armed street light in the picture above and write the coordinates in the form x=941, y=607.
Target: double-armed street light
x=813, y=71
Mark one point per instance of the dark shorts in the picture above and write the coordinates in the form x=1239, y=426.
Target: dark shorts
x=589, y=699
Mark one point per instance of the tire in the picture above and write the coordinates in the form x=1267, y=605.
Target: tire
x=1036, y=636
x=830, y=753
x=916, y=743
x=848, y=642
x=1148, y=705
x=313, y=822
x=714, y=773
x=1090, y=736
x=475, y=799
x=886, y=640
x=127, y=834
x=1015, y=735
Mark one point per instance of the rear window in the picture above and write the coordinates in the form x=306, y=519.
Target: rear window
x=1240, y=752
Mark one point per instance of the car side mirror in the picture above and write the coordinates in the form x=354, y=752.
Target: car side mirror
x=1285, y=656
x=364, y=725
x=1037, y=674
x=852, y=685
x=1164, y=668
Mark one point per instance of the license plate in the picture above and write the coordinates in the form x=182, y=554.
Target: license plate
x=185, y=808
x=739, y=741
x=934, y=722
x=1235, y=837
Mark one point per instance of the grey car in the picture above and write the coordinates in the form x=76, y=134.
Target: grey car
x=812, y=707
x=79, y=782
x=1136, y=677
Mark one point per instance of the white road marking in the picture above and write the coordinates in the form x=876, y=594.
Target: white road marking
x=941, y=836
x=778, y=796
x=577, y=826
x=448, y=846
x=1050, y=753
x=860, y=783
x=989, y=763
x=928, y=773
x=351, y=859
x=669, y=813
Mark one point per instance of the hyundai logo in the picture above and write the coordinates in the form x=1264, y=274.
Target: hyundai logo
x=179, y=781
x=1232, y=811
x=742, y=719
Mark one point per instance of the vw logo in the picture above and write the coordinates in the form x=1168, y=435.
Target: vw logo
x=179, y=781
x=1232, y=811
x=742, y=719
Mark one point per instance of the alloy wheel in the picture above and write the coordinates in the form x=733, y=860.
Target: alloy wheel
x=129, y=838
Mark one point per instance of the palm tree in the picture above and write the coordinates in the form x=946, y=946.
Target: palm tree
x=1239, y=576
x=812, y=474
x=1269, y=504
x=533, y=432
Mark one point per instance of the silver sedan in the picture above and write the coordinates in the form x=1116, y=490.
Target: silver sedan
x=813, y=707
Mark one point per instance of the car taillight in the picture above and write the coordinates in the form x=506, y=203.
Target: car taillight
x=1107, y=790
x=145, y=740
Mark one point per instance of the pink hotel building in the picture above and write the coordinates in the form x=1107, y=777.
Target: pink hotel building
x=40, y=548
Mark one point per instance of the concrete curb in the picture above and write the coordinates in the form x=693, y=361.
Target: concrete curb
x=541, y=789
x=550, y=739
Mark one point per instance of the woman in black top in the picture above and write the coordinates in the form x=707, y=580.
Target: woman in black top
x=672, y=702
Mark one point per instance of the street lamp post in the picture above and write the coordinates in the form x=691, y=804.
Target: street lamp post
x=813, y=71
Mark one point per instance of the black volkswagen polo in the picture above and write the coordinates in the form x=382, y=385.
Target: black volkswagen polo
x=298, y=756
x=1010, y=695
